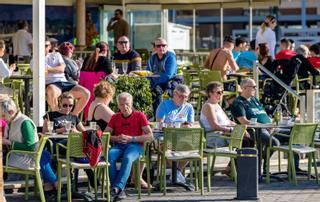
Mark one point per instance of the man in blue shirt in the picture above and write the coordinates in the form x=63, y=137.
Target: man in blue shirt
x=247, y=58
x=163, y=63
x=177, y=110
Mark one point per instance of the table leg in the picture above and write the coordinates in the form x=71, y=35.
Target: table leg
x=26, y=96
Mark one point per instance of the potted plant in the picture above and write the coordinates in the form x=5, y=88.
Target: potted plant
x=139, y=88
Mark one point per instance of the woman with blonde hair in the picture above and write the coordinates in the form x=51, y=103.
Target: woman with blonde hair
x=99, y=110
x=266, y=34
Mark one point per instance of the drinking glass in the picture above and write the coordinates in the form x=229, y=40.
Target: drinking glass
x=114, y=68
x=93, y=125
x=50, y=126
x=177, y=124
x=68, y=126
x=124, y=67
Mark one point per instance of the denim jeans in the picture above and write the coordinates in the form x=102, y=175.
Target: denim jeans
x=45, y=164
x=129, y=153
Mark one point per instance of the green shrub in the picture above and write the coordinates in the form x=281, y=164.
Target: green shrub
x=139, y=88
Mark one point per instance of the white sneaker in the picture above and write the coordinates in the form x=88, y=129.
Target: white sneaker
x=180, y=177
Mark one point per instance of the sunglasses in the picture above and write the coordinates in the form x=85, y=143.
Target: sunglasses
x=66, y=105
x=252, y=87
x=161, y=45
x=123, y=42
x=219, y=92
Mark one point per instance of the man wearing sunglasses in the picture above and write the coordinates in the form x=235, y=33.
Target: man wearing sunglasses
x=118, y=25
x=125, y=54
x=164, y=64
x=177, y=112
x=247, y=107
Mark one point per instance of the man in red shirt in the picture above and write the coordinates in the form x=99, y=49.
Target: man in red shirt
x=314, y=58
x=130, y=129
x=285, y=52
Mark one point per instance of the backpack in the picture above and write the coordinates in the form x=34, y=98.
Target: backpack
x=92, y=145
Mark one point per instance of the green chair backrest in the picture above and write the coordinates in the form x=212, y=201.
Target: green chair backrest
x=74, y=145
x=303, y=134
x=41, y=145
x=207, y=76
x=24, y=68
x=183, y=139
x=237, y=136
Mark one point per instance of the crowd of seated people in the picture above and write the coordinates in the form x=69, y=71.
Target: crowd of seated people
x=71, y=91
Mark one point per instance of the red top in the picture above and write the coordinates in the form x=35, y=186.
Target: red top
x=315, y=61
x=285, y=54
x=2, y=126
x=131, y=126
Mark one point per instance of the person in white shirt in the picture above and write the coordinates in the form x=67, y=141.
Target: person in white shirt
x=266, y=34
x=4, y=70
x=22, y=42
x=56, y=82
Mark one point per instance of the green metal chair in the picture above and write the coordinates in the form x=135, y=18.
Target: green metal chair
x=235, y=142
x=74, y=150
x=182, y=144
x=17, y=87
x=301, y=141
x=35, y=171
x=145, y=158
x=24, y=68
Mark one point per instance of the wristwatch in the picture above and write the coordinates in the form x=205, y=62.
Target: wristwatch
x=134, y=139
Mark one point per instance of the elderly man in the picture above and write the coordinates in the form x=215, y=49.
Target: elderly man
x=56, y=82
x=246, y=107
x=163, y=63
x=177, y=110
x=127, y=55
x=130, y=129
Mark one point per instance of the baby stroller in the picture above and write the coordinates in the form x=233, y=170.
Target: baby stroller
x=274, y=95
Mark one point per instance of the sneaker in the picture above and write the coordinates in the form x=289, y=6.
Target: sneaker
x=122, y=195
x=180, y=177
x=113, y=193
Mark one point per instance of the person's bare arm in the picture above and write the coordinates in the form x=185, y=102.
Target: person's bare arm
x=243, y=120
x=234, y=66
x=56, y=69
x=212, y=119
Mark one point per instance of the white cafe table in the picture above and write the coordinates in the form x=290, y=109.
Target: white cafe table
x=258, y=127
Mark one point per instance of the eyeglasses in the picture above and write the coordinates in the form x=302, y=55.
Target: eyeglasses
x=220, y=92
x=123, y=42
x=182, y=96
x=47, y=45
x=161, y=45
x=66, y=105
x=252, y=87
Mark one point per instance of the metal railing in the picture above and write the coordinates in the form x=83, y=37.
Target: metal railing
x=302, y=98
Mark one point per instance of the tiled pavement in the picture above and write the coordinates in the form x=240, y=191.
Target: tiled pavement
x=223, y=189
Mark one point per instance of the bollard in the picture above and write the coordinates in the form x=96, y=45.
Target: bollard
x=247, y=174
